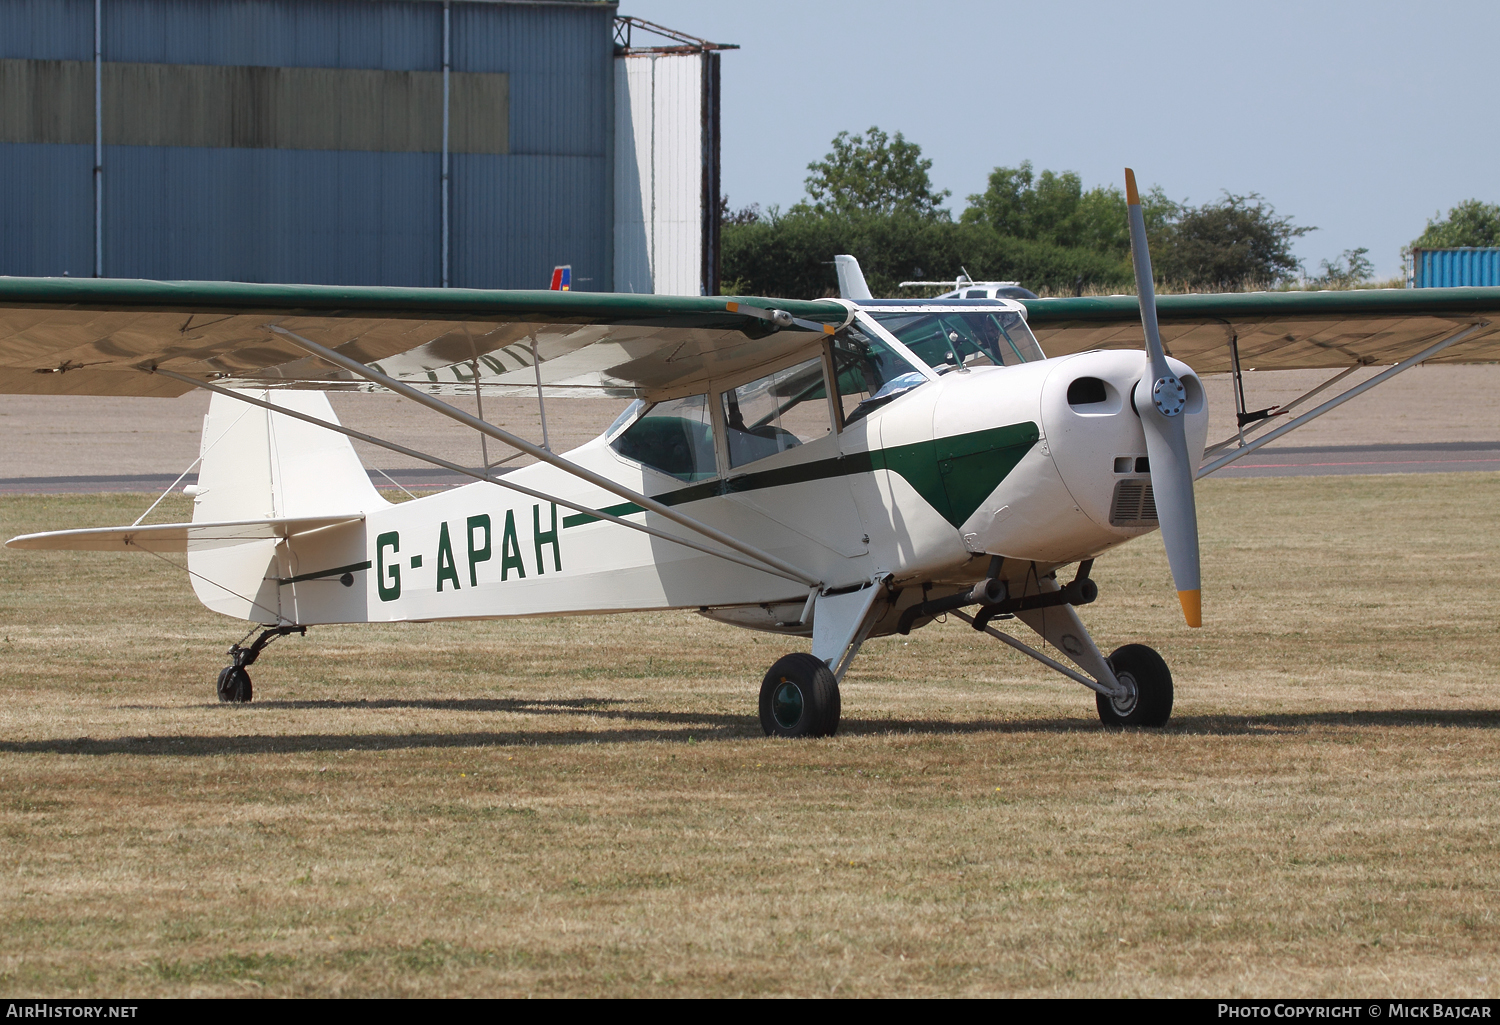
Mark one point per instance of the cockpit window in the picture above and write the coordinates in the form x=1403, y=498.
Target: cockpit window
x=675, y=437
x=978, y=339
x=870, y=373
x=776, y=412
x=625, y=417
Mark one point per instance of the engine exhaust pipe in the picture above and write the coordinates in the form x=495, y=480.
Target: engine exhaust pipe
x=989, y=591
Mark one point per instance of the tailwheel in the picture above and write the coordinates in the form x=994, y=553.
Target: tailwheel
x=1146, y=683
x=234, y=680
x=799, y=697
x=234, y=684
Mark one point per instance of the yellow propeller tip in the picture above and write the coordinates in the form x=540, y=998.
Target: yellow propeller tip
x=1192, y=606
x=1132, y=194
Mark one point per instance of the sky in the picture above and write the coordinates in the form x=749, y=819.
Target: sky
x=1361, y=119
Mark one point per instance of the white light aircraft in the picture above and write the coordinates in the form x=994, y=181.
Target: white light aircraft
x=832, y=470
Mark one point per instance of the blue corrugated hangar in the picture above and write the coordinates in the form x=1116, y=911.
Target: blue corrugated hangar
x=474, y=144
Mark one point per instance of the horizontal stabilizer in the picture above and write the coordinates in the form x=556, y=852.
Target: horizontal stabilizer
x=175, y=537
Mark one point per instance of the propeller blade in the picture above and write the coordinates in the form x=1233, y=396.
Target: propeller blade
x=1176, y=511
x=1160, y=400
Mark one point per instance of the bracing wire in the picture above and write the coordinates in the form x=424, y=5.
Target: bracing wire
x=394, y=481
x=171, y=487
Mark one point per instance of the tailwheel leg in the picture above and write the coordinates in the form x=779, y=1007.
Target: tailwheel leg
x=234, y=680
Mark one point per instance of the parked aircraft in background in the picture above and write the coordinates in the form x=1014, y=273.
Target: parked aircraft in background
x=852, y=285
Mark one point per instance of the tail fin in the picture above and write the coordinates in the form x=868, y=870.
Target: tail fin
x=262, y=465
x=851, y=278
x=259, y=464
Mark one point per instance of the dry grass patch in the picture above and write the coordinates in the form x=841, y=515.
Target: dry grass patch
x=586, y=806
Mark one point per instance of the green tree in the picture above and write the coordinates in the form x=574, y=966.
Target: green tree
x=1471, y=223
x=1237, y=243
x=1352, y=269
x=874, y=174
x=872, y=197
x=1052, y=207
x=791, y=255
x=744, y=215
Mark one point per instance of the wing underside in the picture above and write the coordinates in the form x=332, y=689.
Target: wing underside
x=81, y=337
x=1283, y=330
x=105, y=337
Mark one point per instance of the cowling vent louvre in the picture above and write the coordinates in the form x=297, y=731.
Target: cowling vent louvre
x=1134, y=504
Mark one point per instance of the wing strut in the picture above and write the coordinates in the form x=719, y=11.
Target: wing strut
x=354, y=366
x=456, y=468
x=1250, y=427
x=541, y=403
x=1338, y=400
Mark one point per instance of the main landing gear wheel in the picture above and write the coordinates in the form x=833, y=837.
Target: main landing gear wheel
x=1147, y=700
x=799, y=698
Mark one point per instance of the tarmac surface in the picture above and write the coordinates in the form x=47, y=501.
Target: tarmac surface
x=1346, y=460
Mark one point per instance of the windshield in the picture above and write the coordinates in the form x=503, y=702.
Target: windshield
x=941, y=339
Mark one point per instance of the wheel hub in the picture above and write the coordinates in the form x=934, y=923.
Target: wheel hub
x=786, y=705
x=1130, y=692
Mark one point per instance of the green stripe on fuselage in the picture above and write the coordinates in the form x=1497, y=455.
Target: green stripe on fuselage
x=953, y=475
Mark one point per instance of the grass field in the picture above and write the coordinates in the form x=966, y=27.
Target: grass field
x=587, y=807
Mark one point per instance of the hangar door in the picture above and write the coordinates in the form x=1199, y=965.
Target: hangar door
x=667, y=173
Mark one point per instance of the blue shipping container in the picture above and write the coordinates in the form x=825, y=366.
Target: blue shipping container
x=1451, y=268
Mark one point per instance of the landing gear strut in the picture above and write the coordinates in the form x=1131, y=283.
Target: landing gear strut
x=234, y=680
x=799, y=696
x=1133, y=687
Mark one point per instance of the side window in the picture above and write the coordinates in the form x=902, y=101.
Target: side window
x=675, y=437
x=776, y=412
x=870, y=373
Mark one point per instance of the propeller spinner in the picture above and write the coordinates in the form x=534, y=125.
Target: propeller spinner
x=1160, y=400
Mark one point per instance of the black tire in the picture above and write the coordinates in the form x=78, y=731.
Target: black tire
x=799, y=698
x=1149, y=702
x=234, y=685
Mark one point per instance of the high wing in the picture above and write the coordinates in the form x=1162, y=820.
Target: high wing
x=105, y=337
x=1282, y=330
x=63, y=336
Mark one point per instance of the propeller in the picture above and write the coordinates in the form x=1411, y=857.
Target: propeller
x=1160, y=400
